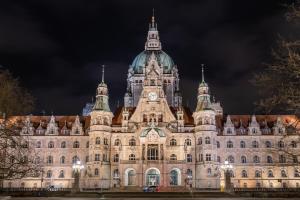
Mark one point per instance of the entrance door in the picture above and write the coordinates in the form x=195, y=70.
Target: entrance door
x=131, y=177
x=152, y=178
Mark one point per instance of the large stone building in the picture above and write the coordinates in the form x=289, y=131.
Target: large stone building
x=154, y=140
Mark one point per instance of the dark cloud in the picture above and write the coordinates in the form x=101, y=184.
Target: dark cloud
x=57, y=47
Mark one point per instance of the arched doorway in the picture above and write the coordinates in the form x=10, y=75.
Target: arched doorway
x=152, y=177
x=130, y=177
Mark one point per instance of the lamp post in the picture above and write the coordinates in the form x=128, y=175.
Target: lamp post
x=77, y=167
x=227, y=176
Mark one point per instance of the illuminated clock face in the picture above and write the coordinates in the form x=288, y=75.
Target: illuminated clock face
x=152, y=96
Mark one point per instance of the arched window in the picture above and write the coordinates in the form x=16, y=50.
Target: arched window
x=105, y=141
x=76, y=144
x=63, y=145
x=97, y=157
x=283, y=173
x=62, y=160
x=97, y=140
x=209, y=171
x=255, y=144
x=218, y=144
x=75, y=159
x=257, y=173
x=188, y=142
x=38, y=144
x=96, y=172
x=229, y=144
x=231, y=173
x=116, y=173
x=218, y=159
x=243, y=159
x=189, y=158
x=242, y=144
x=282, y=159
x=293, y=144
x=173, y=157
x=268, y=144
x=173, y=177
x=117, y=142
x=173, y=142
x=296, y=173
x=270, y=173
x=256, y=159
x=269, y=159
x=281, y=144
x=132, y=142
x=50, y=160
x=51, y=144
x=229, y=131
x=61, y=174
x=131, y=157
x=49, y=174
x=199, y=140
x=230, y=159
x=116, y=158
x=244, y=174
x=207, y=140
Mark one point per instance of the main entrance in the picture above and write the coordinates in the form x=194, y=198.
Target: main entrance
x=152, y=177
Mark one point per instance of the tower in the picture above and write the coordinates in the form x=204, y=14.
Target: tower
x=137, y=71
x=99, y=138
x=205, y=134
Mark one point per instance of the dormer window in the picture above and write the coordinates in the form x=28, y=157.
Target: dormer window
x=254, y=131
x=229, y=131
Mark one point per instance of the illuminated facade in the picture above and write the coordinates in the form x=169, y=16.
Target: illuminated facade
x=154, y=140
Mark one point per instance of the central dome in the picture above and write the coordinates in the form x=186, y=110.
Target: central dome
x=163, y=59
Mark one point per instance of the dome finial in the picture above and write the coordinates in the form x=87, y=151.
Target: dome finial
x=103, y=73
x=202, y=65
x=153, y=18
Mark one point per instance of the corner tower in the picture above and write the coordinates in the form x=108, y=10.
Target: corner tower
x=137, y=71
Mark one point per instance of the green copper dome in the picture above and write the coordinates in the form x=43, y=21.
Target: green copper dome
x=163, y=60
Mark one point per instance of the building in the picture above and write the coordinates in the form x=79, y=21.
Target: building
x=154, y=140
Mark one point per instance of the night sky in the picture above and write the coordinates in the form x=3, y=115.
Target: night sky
x=56, y=47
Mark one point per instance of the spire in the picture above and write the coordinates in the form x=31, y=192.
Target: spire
x=153, y=42
x=202, y=65
x=102, y=73
x=153, y=18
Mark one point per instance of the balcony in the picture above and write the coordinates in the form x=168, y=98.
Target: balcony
x=127, y=161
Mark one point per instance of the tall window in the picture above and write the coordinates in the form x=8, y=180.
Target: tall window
x=208, y=157
x=209, y=171
x=97, y=140
x=189, y=158
x=229, y=144
x=63, y=145
x=131, y=157
x=116, y=173
x=188, y=142
x=255, y=144
x=243, y=159
x=230, y=159
x=282, y=159
x=199, y=140
x=38, y=144
x=49, y=174
x=97, y=157
x=173, y=157
x=51, y=144
x=116, y=158
x=218, y=144
x=152, y=152
x=75, y=159
x=96, y=172
x=105, y=141
x=281, y=144
x=283, y=173
x=270, y=173
x=256, y=159
x=173, y=142
x=117, y=142
x=294, y=144
x=62, y=160
x=87, y=144
x=244, y=174
x=76, y=144
x=269, y=159
x=257, y=173
x=268, y=144
x=242, y=144
x=50, y=160
x=61, y=174
x=207, y=140
x=132, y=142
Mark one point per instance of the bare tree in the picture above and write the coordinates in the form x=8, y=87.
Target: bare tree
x=18, y=158
x=14, y=99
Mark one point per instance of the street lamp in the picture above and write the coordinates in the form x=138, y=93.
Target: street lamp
x=77, y=167
x=227, y=175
